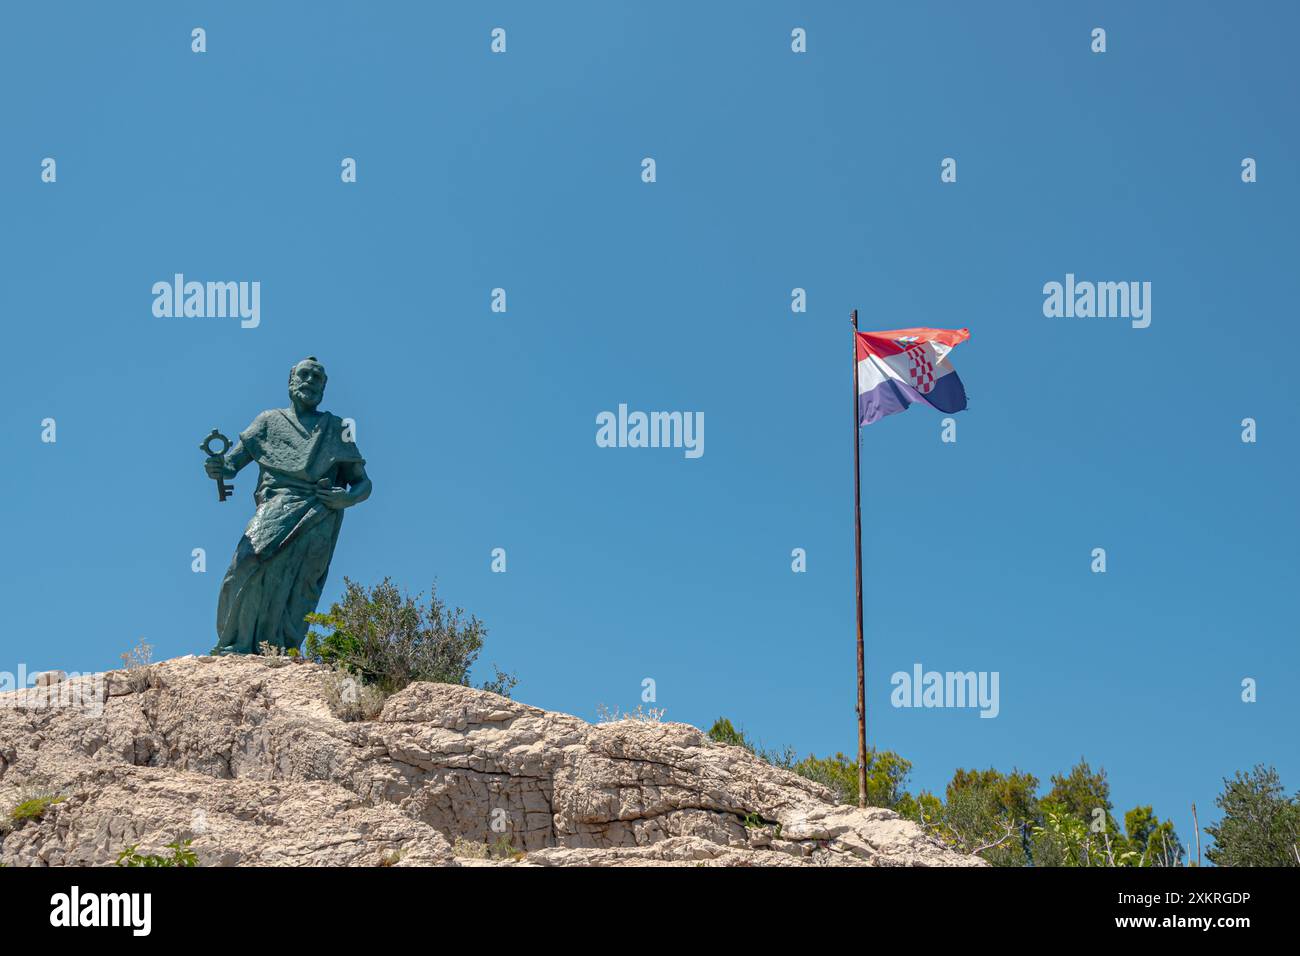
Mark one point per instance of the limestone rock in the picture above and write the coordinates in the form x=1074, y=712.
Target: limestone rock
x=242, y=756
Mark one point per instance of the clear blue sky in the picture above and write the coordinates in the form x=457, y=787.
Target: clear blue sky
x=775, y=171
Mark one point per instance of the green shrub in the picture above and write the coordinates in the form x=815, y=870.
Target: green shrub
x=886, y=775
x=181, y=855
x=1260, y=824
x=724, y=733
x=33, y=809
x=388, y=639
x=985, y=812
x=1001, y=818
x=503, y=849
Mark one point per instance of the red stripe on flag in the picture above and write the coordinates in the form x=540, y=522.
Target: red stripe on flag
x=886, y=343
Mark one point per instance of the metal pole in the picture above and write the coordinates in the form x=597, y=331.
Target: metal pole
x=857, y=561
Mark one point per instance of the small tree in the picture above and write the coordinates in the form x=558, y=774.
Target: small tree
x=389, y=639
x=1081, y=793
x=1156, y=842
x=1260, y=825
x=985, y=812
x=724, y=732
x=886, y=776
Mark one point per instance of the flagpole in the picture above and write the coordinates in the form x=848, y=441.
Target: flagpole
x=857, y=561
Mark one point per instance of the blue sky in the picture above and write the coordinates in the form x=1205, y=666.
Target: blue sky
x=774, y=171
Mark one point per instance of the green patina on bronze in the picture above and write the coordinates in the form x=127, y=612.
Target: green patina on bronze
x=308, y=473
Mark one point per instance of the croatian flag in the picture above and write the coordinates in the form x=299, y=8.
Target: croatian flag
x=904, y=366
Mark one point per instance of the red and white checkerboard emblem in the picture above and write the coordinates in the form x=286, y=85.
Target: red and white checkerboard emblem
x=922, y=370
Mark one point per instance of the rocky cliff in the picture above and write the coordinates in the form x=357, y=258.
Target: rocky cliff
x=244, y=757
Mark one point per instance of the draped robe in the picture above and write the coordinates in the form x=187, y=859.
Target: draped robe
x=279, y=569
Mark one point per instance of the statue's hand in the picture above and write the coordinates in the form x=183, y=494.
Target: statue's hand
x=332, y=497
x=215, y=468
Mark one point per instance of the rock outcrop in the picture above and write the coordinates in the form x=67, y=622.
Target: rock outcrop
x=242, y=756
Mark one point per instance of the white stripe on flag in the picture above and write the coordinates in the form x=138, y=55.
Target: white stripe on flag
x=873, y=369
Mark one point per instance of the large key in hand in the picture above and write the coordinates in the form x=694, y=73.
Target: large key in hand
x=224, y=490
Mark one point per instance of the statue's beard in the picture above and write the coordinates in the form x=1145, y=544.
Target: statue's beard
x=306, y=398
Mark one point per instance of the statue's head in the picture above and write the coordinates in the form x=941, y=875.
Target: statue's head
x=307, y=382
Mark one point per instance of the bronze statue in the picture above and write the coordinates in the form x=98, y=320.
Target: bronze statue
x=309, y=471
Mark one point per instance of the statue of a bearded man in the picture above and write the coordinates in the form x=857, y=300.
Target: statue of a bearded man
x=309, y=471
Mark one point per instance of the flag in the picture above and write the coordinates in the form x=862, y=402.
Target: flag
x=904, y=366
